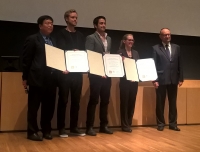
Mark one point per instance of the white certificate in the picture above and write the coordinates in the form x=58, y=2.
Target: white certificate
x=113, y=65
x=76, y=61
x=146, y=69
x=130, y=69
x=55, y=57
x=95, y=63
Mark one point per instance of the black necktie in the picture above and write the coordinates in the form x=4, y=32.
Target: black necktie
x=167, y=50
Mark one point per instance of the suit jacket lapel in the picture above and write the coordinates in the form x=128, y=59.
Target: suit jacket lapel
x=173, y=49
x=53, y=41
x=41, y=39
x=100, y=41
x=125, y=53
x=109, y=43
x=164, y=51
x=133, y=55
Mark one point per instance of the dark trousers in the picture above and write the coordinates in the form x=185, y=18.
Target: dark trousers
x=45, y=96
x=128, y=92
x=171, y=91
x=98, y=87
x=69, y=82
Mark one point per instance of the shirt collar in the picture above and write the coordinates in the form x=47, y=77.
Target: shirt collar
x=169, y=45
x=44, y=36
x=101, y=35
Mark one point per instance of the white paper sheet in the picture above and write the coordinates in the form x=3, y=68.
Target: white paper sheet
x=113, y=65
x=76, y=61
x=146, y=69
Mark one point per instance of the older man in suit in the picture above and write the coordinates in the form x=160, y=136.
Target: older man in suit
x=40, y=79
x=167, y=57
x=99, y=86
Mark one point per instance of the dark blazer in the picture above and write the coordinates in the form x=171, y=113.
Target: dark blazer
x=94, y=43
x=123, y=52
x=34, y=66
x=64, y=40
x=168, y=70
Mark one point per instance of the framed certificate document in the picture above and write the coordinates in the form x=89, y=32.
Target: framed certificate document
x=95, y=63
x=113, y=65
x=130, y=69
x=76, y=61
x=55, y=58
x=146, y=69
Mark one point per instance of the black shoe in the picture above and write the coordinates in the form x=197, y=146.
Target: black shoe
x=127, y=130
x=160, y=128
x=174, y=128
x=47, y=136
x=76, y=132
x=105, y=130
x=35, y=137
x=90, y=131
x=63, y=133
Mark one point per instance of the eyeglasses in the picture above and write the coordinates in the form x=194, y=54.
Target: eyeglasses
x=130, y=40
x=49, y=23
x=166, y=35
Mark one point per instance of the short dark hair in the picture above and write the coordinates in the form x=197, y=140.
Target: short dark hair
x=42, y=18
x=96, y=20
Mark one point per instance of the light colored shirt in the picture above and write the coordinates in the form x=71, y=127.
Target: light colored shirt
x=47, y=39
x=104, y=41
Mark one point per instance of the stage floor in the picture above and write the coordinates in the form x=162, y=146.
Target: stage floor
x=146, y=139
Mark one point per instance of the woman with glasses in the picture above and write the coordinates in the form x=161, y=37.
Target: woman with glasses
x=128, y=89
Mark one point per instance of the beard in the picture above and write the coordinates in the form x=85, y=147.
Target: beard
x=71, y=24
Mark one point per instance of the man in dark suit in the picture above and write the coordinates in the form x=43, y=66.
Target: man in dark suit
x=40, y=79
x=69, y=39
x=99, y=86
x=167, y=57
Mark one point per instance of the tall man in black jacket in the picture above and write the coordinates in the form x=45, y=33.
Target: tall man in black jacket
x=167, y=57
x=40, y=79
x=69, y=39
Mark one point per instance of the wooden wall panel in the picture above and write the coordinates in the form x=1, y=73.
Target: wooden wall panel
x=0, y=98
x=193, y=106
x=182, y=106
x=149, y=106
x=13, y=102
x=137, y=117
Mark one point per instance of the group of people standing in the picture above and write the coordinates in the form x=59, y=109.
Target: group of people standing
x=42, y=81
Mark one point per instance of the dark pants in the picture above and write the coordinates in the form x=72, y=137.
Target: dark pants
x=171, y=91
x=128, y=92
x=45, y=96
x=69, y=82
x=98, y=87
